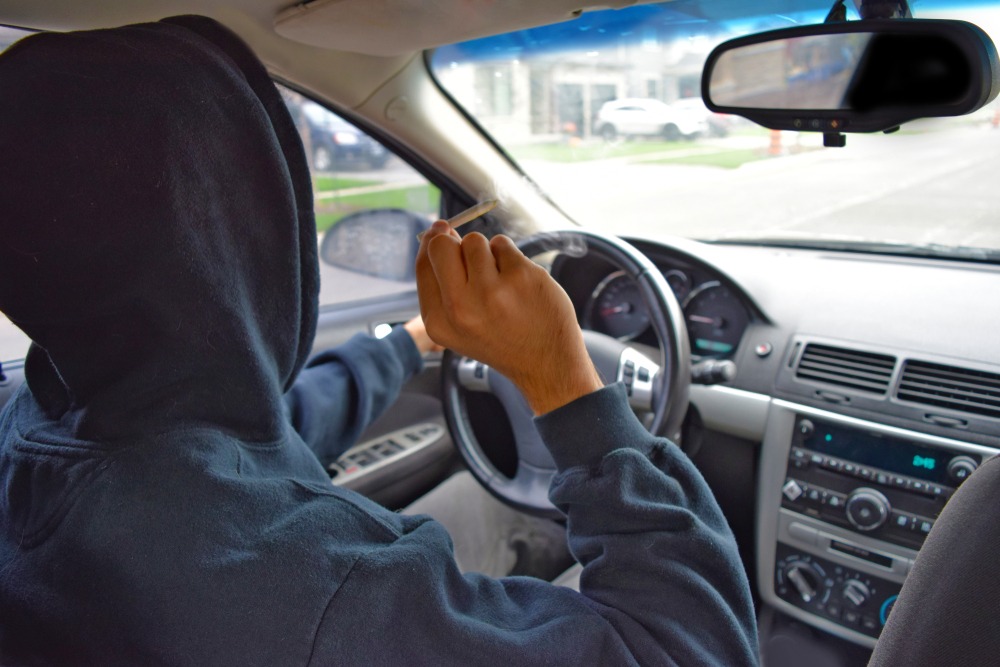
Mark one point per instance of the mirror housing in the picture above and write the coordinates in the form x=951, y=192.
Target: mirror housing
x=380, y=242
x=857, y=76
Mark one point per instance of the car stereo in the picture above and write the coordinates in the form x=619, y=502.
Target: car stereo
x=845, y=505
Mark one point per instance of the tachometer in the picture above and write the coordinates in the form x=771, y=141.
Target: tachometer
x=616, y=308
x=715, y=319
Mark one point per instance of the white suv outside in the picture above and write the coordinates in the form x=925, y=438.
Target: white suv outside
x=628, y=117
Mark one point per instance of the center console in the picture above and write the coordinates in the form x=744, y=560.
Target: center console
x=844, y=506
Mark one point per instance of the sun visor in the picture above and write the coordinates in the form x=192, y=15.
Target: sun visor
x=397, y=27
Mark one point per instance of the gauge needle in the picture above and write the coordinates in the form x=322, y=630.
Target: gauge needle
x=623, y=308
x=701, y=319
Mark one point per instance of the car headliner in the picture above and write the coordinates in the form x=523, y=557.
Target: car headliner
x=371, y=38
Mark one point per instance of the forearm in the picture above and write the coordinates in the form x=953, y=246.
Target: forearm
x=659, y=558
x=343, y=390
x=662, y=582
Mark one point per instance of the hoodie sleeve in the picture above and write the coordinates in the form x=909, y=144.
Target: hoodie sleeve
x=662, y=581
x=341, y=391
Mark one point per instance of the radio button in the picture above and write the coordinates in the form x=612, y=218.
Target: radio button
x=866, y=473
x=918, y=486
x=799, y=459
x=834, y=464
x=835, y=501
x=883, y=479
x=867, y=509
x=791, y=490
x=850, y=468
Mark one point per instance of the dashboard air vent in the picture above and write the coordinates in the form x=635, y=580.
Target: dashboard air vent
x=962, y=389
x=862, y=371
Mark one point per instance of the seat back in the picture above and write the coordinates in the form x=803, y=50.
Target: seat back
x=946, y=613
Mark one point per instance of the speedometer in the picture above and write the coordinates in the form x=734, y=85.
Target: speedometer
x=715, y=320
x=616, y=308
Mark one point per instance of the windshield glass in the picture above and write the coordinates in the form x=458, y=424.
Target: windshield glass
x=604, y=113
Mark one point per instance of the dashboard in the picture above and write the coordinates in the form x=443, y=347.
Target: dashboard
x=867, y=389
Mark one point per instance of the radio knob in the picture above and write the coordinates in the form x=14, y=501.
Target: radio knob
x=960, y=467
x=856, y=593
x=867, y=509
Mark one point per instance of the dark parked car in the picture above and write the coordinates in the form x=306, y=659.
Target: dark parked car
x=333, y=143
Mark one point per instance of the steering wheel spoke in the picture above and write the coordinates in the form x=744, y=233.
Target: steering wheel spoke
x=473, y=375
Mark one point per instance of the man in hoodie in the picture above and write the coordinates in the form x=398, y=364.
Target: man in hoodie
x=162, y=499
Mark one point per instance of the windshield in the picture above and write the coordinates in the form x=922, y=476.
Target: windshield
x=604, y=113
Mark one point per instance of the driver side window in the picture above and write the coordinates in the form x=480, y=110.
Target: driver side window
x=353, y=173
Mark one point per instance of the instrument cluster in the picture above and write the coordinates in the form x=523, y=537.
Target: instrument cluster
x=715, y=311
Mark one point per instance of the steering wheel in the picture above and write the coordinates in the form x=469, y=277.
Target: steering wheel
x=657, y=388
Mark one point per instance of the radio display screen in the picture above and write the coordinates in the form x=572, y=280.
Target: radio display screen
x=879, y=451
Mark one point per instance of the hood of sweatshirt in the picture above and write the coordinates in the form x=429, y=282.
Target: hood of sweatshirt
x=157, y=238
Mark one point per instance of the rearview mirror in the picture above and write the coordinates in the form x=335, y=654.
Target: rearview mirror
x=858, y=76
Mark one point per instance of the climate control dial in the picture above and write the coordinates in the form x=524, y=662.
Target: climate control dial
x=806, y=580
x=856, y=593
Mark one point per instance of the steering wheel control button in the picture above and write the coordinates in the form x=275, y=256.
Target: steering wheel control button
x=473, y=375
x=867, y=509
x=638, y=373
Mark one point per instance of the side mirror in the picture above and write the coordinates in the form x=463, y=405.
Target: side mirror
x=379, y=242
x=857, y=76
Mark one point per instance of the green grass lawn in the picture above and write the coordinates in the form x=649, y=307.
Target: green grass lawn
x=328, y=183
x=595, y=150
x=421, y=198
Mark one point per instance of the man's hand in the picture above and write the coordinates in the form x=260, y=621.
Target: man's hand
x=486, y=300
x=418, y=332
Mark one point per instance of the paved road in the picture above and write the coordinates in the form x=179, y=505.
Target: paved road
x=901, y=188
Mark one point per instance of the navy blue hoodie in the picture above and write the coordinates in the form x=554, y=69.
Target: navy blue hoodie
x=162, y=499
